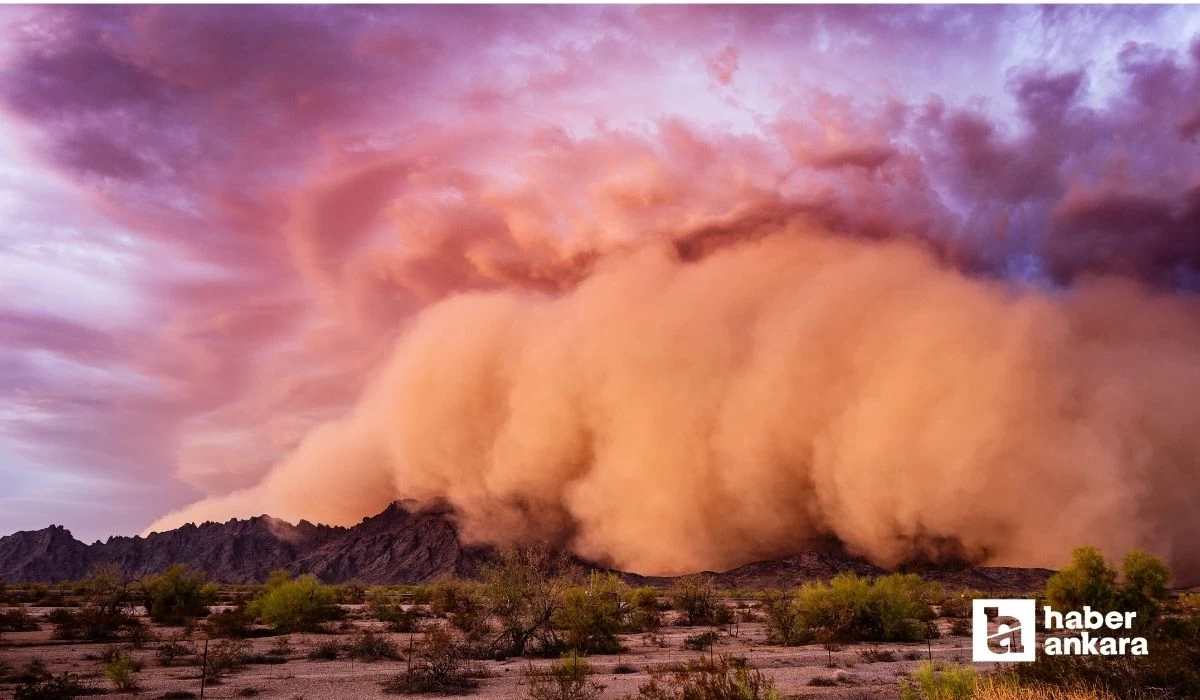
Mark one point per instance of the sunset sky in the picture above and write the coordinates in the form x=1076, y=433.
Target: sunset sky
x=216, y=221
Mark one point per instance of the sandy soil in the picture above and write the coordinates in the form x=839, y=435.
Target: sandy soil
x=793, y=668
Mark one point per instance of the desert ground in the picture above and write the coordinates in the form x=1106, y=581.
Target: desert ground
x=799, y=671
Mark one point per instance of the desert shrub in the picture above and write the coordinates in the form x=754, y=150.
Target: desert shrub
x=120, y=669
x=60, y=687
x=875, y=655
x=325, y=651
x=32, y=672
x=17, y=619
x=938, y=682
x=223, y=658
x=452, y=596
x=368, y=645
x=720, y=679
x=106, y=612
x=784, y=619
x=436, y=665
x=282, y=646
x=1170, y=670
x=823, y=681
x=231, y=623
x=567, y=679
x=176, y=595
x=295, y=605
x=523, y=592
x=991, y=690
x=351, y=593
x=383, y=608
x=960, y=627
x=1090, y=580
x=851, y=608
x=173, y=650
x=463, y=603
x=959, y=604
x=700, y=642
x=696, y=597
x=645, y=598
x=592, y=617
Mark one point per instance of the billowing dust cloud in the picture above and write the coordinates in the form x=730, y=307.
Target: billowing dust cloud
x=668, y=415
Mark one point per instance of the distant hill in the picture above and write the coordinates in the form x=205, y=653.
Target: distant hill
x=406, y=543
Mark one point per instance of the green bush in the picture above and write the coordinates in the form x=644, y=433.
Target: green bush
x=177, y=595
x=120, y=669
x=567, y=679
x=851, y=608
x=592, y=617
x=785, y=623
x=935, y=682
x=295, y=605
x=1090, y=580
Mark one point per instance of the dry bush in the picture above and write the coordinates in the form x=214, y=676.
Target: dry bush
x=17, y=619
x=176, y=595
x=232, y=623
x=60, y=687
x=325, y=651
x=223, y=658
x=959, y=604
x=722, y=679
x=368, y=645
x=524, y=592
x=700, y=642
x=874, y=655
x=436, y=665
x=172, y=650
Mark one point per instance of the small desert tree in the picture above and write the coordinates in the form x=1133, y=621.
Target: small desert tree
x=176, y=595
x=696, y=597
x=1144, y=585
x=106, y=610
x=295, y=605
x=785, y=624
x=523, y=592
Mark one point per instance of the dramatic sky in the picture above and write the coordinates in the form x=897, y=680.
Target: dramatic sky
x=216, y=221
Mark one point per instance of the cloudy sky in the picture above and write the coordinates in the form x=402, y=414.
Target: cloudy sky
x=214, y=221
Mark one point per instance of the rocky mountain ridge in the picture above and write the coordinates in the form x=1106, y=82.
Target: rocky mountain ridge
x=406, y=543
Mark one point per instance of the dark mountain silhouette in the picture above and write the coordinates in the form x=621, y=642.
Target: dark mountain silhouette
x=406, y=543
